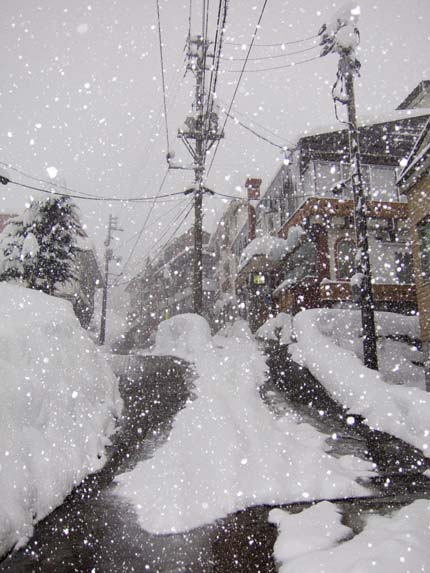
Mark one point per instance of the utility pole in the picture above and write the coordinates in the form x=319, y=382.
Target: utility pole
x=201, y=128
x=112, y=226
x=361, y=231
x=201, y=50
x=343, y=39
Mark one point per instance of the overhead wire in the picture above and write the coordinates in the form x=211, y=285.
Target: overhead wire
x=289, y=43
x=99, y=198
x=168, y=227
x=226, y=195
x=166, y=125
x=190, y=206
x=254, y=121
x=238, y=82
x=155, y=221
x=189, y=20
x=291, y=65
x=143, y=228
x=276, y=56
x=220, y=26
x=51, y=183
x=254, y=132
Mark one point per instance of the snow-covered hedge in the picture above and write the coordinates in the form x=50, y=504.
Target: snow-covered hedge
x=58, y=403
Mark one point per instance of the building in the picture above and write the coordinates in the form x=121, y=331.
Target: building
x=312, y=191
x=164, y=288
x=419, y=98
x=414, y=182
x=236, y=228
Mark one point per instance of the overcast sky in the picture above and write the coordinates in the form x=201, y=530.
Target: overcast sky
x=80, y=91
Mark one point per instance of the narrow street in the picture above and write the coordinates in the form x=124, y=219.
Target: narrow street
x=95, y=531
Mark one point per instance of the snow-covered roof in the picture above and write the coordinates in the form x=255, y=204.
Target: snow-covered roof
x=387, y=141
x=272, y=248
x=418, y=160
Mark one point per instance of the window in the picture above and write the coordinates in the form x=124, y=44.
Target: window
x=382, y=183
x=301, y=263
x=404, y=268
x=259, y=279
x=423, y=231
x=345, y=251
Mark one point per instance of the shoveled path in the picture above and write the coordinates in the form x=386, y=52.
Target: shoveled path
x=95, y=531
x=400, y=465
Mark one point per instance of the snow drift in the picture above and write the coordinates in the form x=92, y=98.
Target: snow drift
x=58, y=402
x=316, y=540
x=328, y=344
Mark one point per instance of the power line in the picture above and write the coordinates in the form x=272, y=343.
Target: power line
x=262, y=137
x=145, y=223
x=162, y=76
x=224, y=195
x=46, y=181
x=257, y=59
x=172, y=235
x=215, y=64
x=189, y=20
x=238, y=82
x=6, y=180
x=155, y=221
x=291, y=65
x=289, y=43
x=253, y=121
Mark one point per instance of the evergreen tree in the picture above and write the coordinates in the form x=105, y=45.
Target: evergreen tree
x=39, y=248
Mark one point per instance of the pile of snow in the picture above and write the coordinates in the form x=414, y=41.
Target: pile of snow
x=278, y=328
x=227, y=450
x=58, y=403
x=309, y=541
x=273, y=248
x=328, y=344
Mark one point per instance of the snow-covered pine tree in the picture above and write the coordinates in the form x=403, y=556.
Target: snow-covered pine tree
x=39, y=248
x=14, y=263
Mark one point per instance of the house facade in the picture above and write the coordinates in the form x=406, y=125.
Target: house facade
x=414, y=182
x=236, y=228
x=313, y=190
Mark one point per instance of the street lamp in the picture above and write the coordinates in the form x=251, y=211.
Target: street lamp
x=342, y=37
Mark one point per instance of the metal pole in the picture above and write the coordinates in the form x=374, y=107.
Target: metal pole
x=360, y=216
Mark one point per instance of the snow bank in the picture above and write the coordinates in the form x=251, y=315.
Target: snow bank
x=226, y=450
x=328, y=344
x=308, y=541
x=313, y=529
x=58, y=402
x=277, y=328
